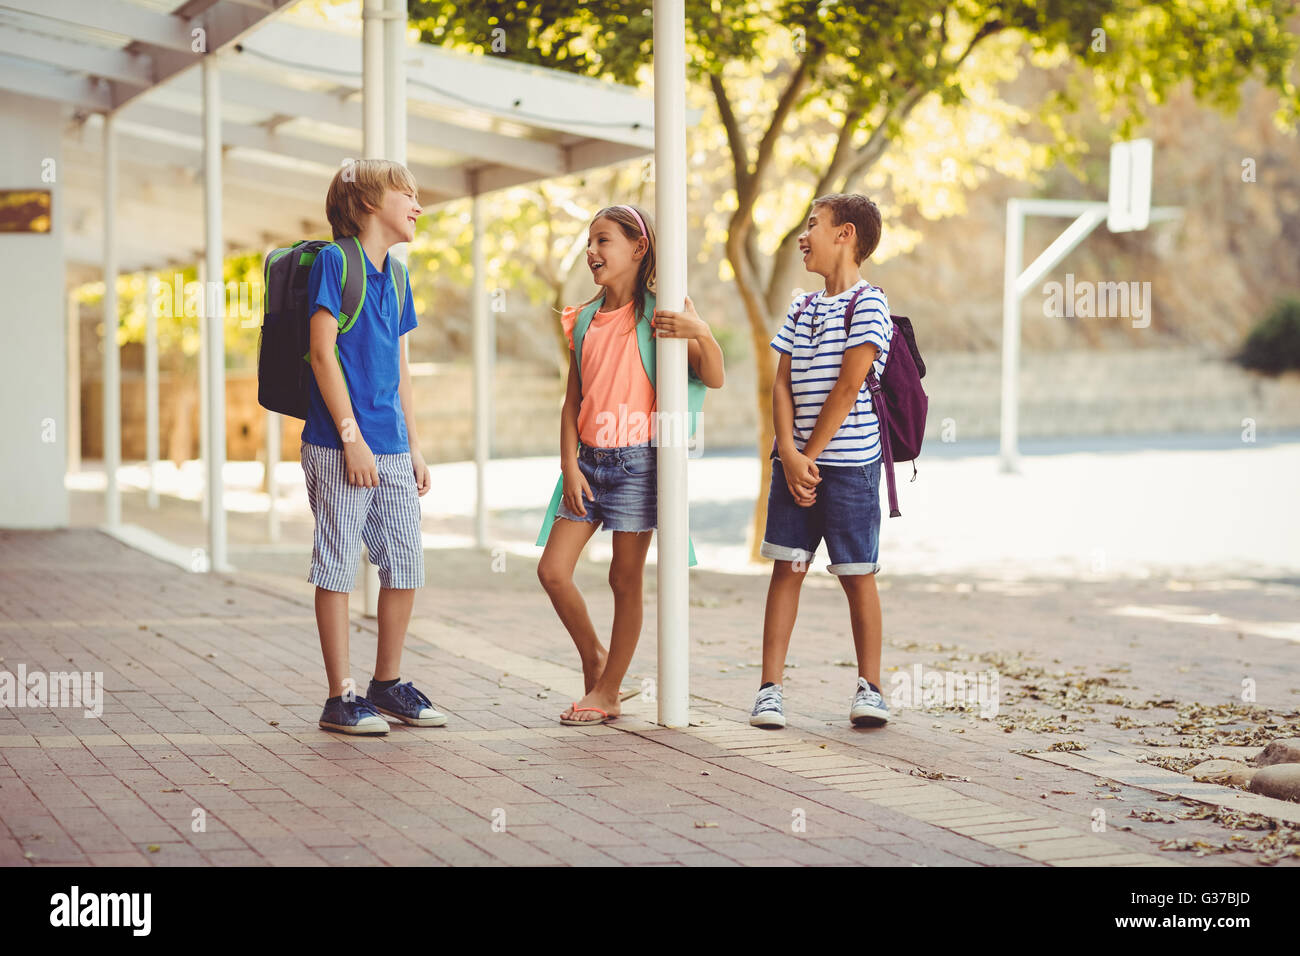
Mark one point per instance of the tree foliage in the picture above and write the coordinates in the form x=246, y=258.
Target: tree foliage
x=867, y=66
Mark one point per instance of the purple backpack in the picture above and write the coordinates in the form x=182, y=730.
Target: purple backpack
x=897, y=398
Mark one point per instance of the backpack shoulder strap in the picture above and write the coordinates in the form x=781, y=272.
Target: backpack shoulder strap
x=397, y=273
x=645, y=339
x=353, y=293
x=848, y=311
x=580, y=325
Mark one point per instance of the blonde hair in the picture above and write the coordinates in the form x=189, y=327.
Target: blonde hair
x=358, y=189
x=645, y=275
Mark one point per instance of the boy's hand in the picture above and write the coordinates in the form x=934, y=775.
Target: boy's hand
x=801, y=477
x=679, y=325
x=359, y=462
x=421, y=471
x=575, y=486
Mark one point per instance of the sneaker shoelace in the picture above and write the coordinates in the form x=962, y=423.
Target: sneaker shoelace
x=361, y=706
x=408, y=694
x=868, y=696
x=766, y=696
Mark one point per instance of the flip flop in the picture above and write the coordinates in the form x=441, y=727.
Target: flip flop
x=605, y=718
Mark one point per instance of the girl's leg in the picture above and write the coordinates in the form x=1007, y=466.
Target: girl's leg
x=778, y=620
x=626, y=574
x=555, y=571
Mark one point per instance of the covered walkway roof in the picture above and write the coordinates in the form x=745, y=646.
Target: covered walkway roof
x=291, y=113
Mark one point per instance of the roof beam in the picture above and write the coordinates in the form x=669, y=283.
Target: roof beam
x=259, y=139
x=491, y=86
x=114, y=16
x=80, y=91
x=133, y=68
x=263, y=91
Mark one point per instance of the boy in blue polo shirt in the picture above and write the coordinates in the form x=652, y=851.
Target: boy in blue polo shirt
x=826, y=466
x=360, y=455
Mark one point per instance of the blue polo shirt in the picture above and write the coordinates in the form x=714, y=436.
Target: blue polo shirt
x=369, y=354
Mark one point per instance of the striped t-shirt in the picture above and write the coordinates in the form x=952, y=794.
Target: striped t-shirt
x=816, y=345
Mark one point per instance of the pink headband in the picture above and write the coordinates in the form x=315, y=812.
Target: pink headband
x=638, y=219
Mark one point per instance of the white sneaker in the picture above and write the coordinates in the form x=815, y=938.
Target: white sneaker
x=767, y=710
x=869, y=708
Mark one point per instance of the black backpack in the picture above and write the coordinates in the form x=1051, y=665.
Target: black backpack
x=284, y=342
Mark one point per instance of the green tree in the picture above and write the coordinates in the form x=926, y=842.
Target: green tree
x=865, y=68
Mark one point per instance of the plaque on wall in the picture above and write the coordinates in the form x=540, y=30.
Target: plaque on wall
x=24, y=210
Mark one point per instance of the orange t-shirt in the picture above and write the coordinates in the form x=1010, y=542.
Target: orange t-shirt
x=618, y=403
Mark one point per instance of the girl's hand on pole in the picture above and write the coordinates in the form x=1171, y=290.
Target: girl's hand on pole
x=685, y=324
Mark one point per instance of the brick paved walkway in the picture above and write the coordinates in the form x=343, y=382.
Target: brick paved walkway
x=214, y=685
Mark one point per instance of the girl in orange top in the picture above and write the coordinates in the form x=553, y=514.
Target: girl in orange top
x=607, y=451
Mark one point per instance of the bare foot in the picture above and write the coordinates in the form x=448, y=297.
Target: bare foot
x=609, y=706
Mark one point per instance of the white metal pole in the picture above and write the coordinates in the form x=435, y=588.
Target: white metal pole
x=670, y=215
x=202, y=321
x=373, y=114
x=73, y=415
x=215, y=313
x=392, y=45
x=112, y=402
x=151, y=395
x=482, y=373
x=395, y=82
x=1015, y=243
x=272, y=487
x=372, y=77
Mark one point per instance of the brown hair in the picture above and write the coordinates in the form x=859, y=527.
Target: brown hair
x=859, y=210
x=645, y=276
x=357, y=190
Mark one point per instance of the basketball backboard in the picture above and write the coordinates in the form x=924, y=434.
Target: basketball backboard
x=1130, y=185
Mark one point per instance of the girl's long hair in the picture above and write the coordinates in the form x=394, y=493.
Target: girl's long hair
x=645, y=276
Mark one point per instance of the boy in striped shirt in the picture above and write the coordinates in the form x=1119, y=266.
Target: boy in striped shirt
x=826, y=465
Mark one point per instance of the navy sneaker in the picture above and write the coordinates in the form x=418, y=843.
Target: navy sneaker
x=869, y=707
x=405, y=703
x=356, y=716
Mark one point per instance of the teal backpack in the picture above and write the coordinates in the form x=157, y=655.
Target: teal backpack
x=695, y=391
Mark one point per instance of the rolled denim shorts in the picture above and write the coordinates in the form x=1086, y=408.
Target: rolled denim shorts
x=625, y=482
x=846, y=513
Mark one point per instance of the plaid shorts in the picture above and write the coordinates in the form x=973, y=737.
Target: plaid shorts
x=386, y=518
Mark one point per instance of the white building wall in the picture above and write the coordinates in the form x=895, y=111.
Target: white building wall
x=33, y=327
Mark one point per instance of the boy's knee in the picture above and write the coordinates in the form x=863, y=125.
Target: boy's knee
x=790, y=569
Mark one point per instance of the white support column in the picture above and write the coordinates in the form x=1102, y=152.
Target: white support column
x=483, y=376
x=112, y=403
x=673, y=424
x=1015, y=247
x=73, y=412
x=372, y=74
x=395, y=81
x=201, y=321
x=151, y=393
x=272, y=487
x=392, y=71
x=214, y=311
